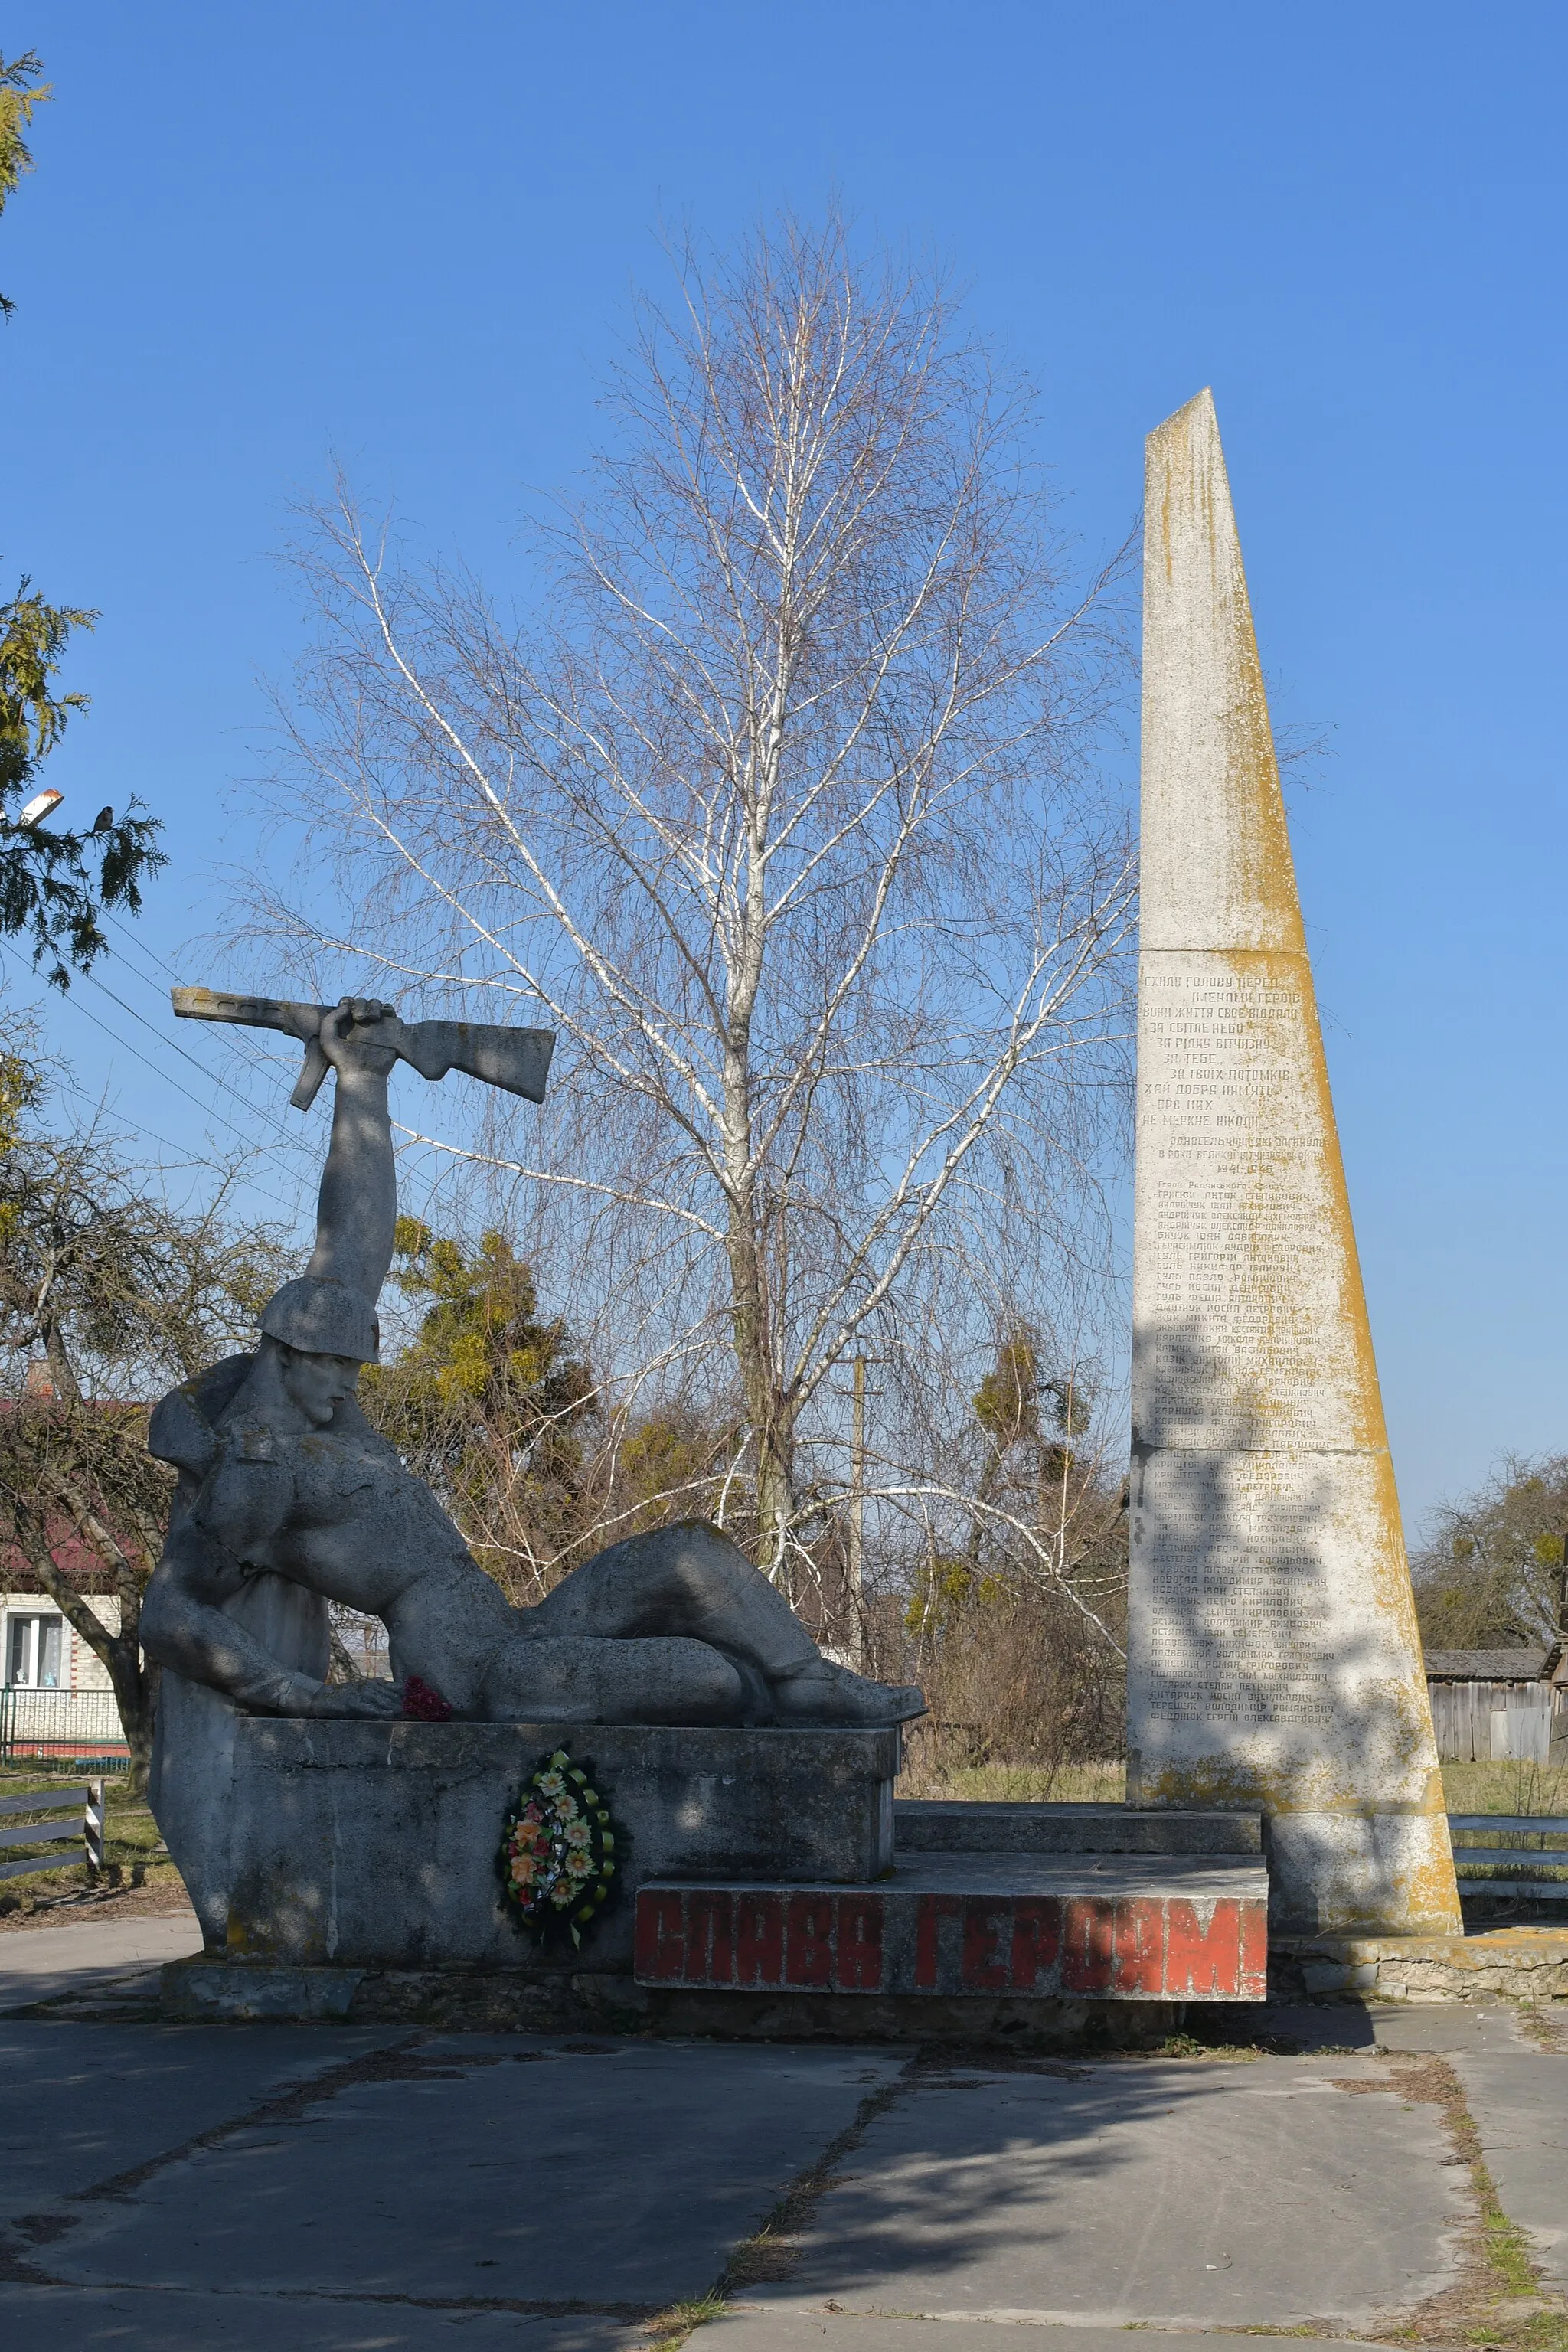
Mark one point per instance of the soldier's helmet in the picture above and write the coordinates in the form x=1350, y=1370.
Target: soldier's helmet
x=324, y=1317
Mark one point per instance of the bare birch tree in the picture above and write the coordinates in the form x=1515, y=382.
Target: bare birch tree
x=779, y=804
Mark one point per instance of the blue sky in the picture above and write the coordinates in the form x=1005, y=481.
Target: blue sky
x=405, y=234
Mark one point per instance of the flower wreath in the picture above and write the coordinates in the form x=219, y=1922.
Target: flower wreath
x=559, y=1850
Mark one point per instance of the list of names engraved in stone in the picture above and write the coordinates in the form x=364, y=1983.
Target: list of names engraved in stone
x=1239, y=1276
x=1238, y=1612
x=1239, y=1261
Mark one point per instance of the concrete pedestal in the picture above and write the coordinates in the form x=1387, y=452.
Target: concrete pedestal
x=761, y=1889
x=365, y=1844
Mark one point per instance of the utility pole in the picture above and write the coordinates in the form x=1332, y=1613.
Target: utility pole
x=857, y=1512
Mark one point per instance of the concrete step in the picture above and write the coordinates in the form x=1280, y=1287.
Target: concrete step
x=943, y=1825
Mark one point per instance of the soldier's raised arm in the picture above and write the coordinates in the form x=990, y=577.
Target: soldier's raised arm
x=356, y=1213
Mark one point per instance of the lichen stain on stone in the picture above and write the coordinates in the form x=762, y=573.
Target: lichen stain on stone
x=1433, y=1891
x=1186, y=462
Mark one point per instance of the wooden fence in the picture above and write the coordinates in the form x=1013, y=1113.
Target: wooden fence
x=1492, y=1723
x=1534, y=1861
x=85, y=1800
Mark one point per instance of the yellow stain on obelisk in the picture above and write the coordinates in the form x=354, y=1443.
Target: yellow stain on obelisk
x=1273, y=1654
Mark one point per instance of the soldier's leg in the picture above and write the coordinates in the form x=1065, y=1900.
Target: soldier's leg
x=688, y=1579
x=691, y=1580
x=574, y=1679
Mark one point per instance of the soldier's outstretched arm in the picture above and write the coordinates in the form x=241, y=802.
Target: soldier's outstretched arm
x=356, y=1213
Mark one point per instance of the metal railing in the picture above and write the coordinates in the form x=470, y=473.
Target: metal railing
x=1539, y=1870
x=69, y=1723
x=88, y=1796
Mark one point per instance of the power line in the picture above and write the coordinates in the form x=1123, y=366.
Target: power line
x=151, y=1135
x=257, y=1055
x=243, y=1043
x=141, y=945
x=257, y=1059
x=209, y=1111
x=174, y=1046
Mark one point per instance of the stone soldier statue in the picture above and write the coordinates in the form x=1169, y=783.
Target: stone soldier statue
x=288, y=1499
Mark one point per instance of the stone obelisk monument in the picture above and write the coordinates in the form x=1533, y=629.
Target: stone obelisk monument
x=1273, y=1653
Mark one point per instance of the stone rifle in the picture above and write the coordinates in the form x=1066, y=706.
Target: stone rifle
x=515, y=1060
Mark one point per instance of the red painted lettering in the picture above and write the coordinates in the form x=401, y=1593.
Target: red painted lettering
x=1254, y=1983
x=1138, y=1936
x=1203, y=1961
x=860, y=1967
x=1037, y=1940
x=660, y=1942
x=982, y=1925
x=933, y=1909
x=709, y=1935
x=808, y=1940
x=758, y=1940
x=1087, y=1949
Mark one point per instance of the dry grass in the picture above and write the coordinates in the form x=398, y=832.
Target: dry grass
x=1500, y=2299
x=1468, y=1787
x=1104, y=1784
x=1505, y=1789
x=770, y=2253
x=669, y=2329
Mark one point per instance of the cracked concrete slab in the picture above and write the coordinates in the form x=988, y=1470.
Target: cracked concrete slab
x=1185, y=2196
x=1521, y=2108
x=619, y=2180
x=746, y=2330
x=1445, y=2028
x=100, y=2099
x=1436, y=2028
x=136, y=2319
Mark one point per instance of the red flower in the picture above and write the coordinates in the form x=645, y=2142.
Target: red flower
x=423, y=1704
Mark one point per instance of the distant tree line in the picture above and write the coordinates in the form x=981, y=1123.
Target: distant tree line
x=1494, y=1573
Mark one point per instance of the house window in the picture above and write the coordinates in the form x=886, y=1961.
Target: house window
x=33, y=1652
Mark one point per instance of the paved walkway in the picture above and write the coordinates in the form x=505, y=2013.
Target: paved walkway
x=46, y=1963
x=296, y=2188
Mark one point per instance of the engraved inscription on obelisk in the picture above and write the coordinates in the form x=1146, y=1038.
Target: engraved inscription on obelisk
x=1273, y=1653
